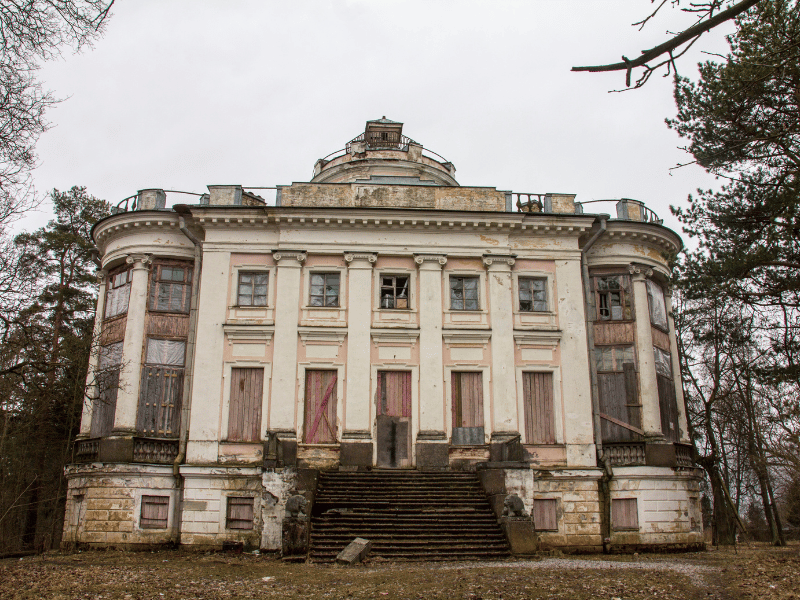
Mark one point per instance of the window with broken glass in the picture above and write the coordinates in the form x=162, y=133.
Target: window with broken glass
x=613, y=297
x=394, y=291
x=170, y=289
x=324, y=289
x=658, y=305
x=118, y=293
x=252, y=289
x=532, y=294
x=464, y=293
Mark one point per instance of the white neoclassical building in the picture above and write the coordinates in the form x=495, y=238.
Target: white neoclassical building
x=381, y=316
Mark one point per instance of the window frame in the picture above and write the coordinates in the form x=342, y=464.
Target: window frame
x=110, y=288
x=325, y=273
x=525, y=278
x=228, y=518
x=252, y=273
x=663, y=327
x=614, y=359
x=394, y=275
x=625, y=526
x=549, y=502
x=626, y=294
x=478, y=291
x=143, y=502
x=155, y=283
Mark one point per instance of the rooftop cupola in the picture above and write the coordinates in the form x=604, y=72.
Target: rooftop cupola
x=382, y=155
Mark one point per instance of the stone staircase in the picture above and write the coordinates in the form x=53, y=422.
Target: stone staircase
x=408, y=515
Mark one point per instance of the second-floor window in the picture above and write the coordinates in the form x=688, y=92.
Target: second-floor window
x=118, y=294
x=170, y=289
x=532, y=294
x=252, y=289
x=394, y=291
x=324, y=289
x=613, y=298
x=464, y=293
x=658, y=306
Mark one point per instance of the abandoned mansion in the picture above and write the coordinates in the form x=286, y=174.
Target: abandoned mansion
x=385, y=344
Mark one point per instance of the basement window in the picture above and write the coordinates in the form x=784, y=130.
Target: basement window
x=155, y=511
x=239, y=514
x=624, y=514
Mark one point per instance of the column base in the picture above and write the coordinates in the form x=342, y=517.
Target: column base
x=356, y=449
x=432, y=450
x=116, y=449
x=280, y=450
x=660, y=455
x=506, y=446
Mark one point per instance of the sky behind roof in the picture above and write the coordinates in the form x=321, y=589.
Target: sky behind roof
x=183, y=94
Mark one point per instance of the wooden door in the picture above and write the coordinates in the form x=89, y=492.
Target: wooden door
x=320, y=407
x=537, y=394
x=393, y=409
x=668, y=403
x=467, y=392
x=244, y=414
x=160, y=401
x=620, y=410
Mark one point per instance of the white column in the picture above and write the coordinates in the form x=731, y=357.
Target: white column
x=576, y=387
x=648, y=386
x=130, y=376
x=207, y=375
x=284, y=362
x=431, y=367
x=501, y=310
x=676, y=369
x=359, y=317
x=94, y=357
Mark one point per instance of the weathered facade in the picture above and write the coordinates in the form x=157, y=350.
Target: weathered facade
x=382, y=316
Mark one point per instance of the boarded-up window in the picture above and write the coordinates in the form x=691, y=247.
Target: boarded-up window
x=244, y=416
x=467, y=391
x=107, y=380
x=658, y=306
x=613, y=297
x=239, y=513
x=170, y=289
x=620, y=409
x=545, y=517
x=667, y=399
x=320, y=409
x=155, y=512
x=118, y=293
x=393, y=401
x=537, y=393
x=532, y=294
x=624, y=514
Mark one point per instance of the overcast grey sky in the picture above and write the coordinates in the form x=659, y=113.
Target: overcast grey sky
x=183, y=94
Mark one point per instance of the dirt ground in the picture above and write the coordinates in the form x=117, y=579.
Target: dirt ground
x=753, y=571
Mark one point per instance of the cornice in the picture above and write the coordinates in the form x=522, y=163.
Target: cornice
x=134, y=221
x=635, y=232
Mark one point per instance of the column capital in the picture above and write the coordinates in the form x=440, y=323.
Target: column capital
x=639, y=272
x=431, y=260
x=289, y=257
x=353, y=258
x=139, y=261
x=499, y=262
x=101, y=275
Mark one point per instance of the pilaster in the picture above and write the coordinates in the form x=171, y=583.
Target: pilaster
x=501, y=301
x=284, y=365
x=676, y=368
x=648, y=385
x=356, y=438
x=131, y=372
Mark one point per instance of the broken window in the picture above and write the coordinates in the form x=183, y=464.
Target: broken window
x=394, y=291
x=658, y=307
x=464, y=293
x=324, y=289
x=613, y=297
x=239, y=513
x=118, y=293
x=244, y=415
x=667, y=397
x=252, y=289
x=612, y=358
x=170, y=290
x=155, y=512
x=532, y=294
x=624, y=514
x=545, y=517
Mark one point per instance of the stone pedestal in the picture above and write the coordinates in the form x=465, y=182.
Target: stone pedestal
x=294, y=537
x=520, y=534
